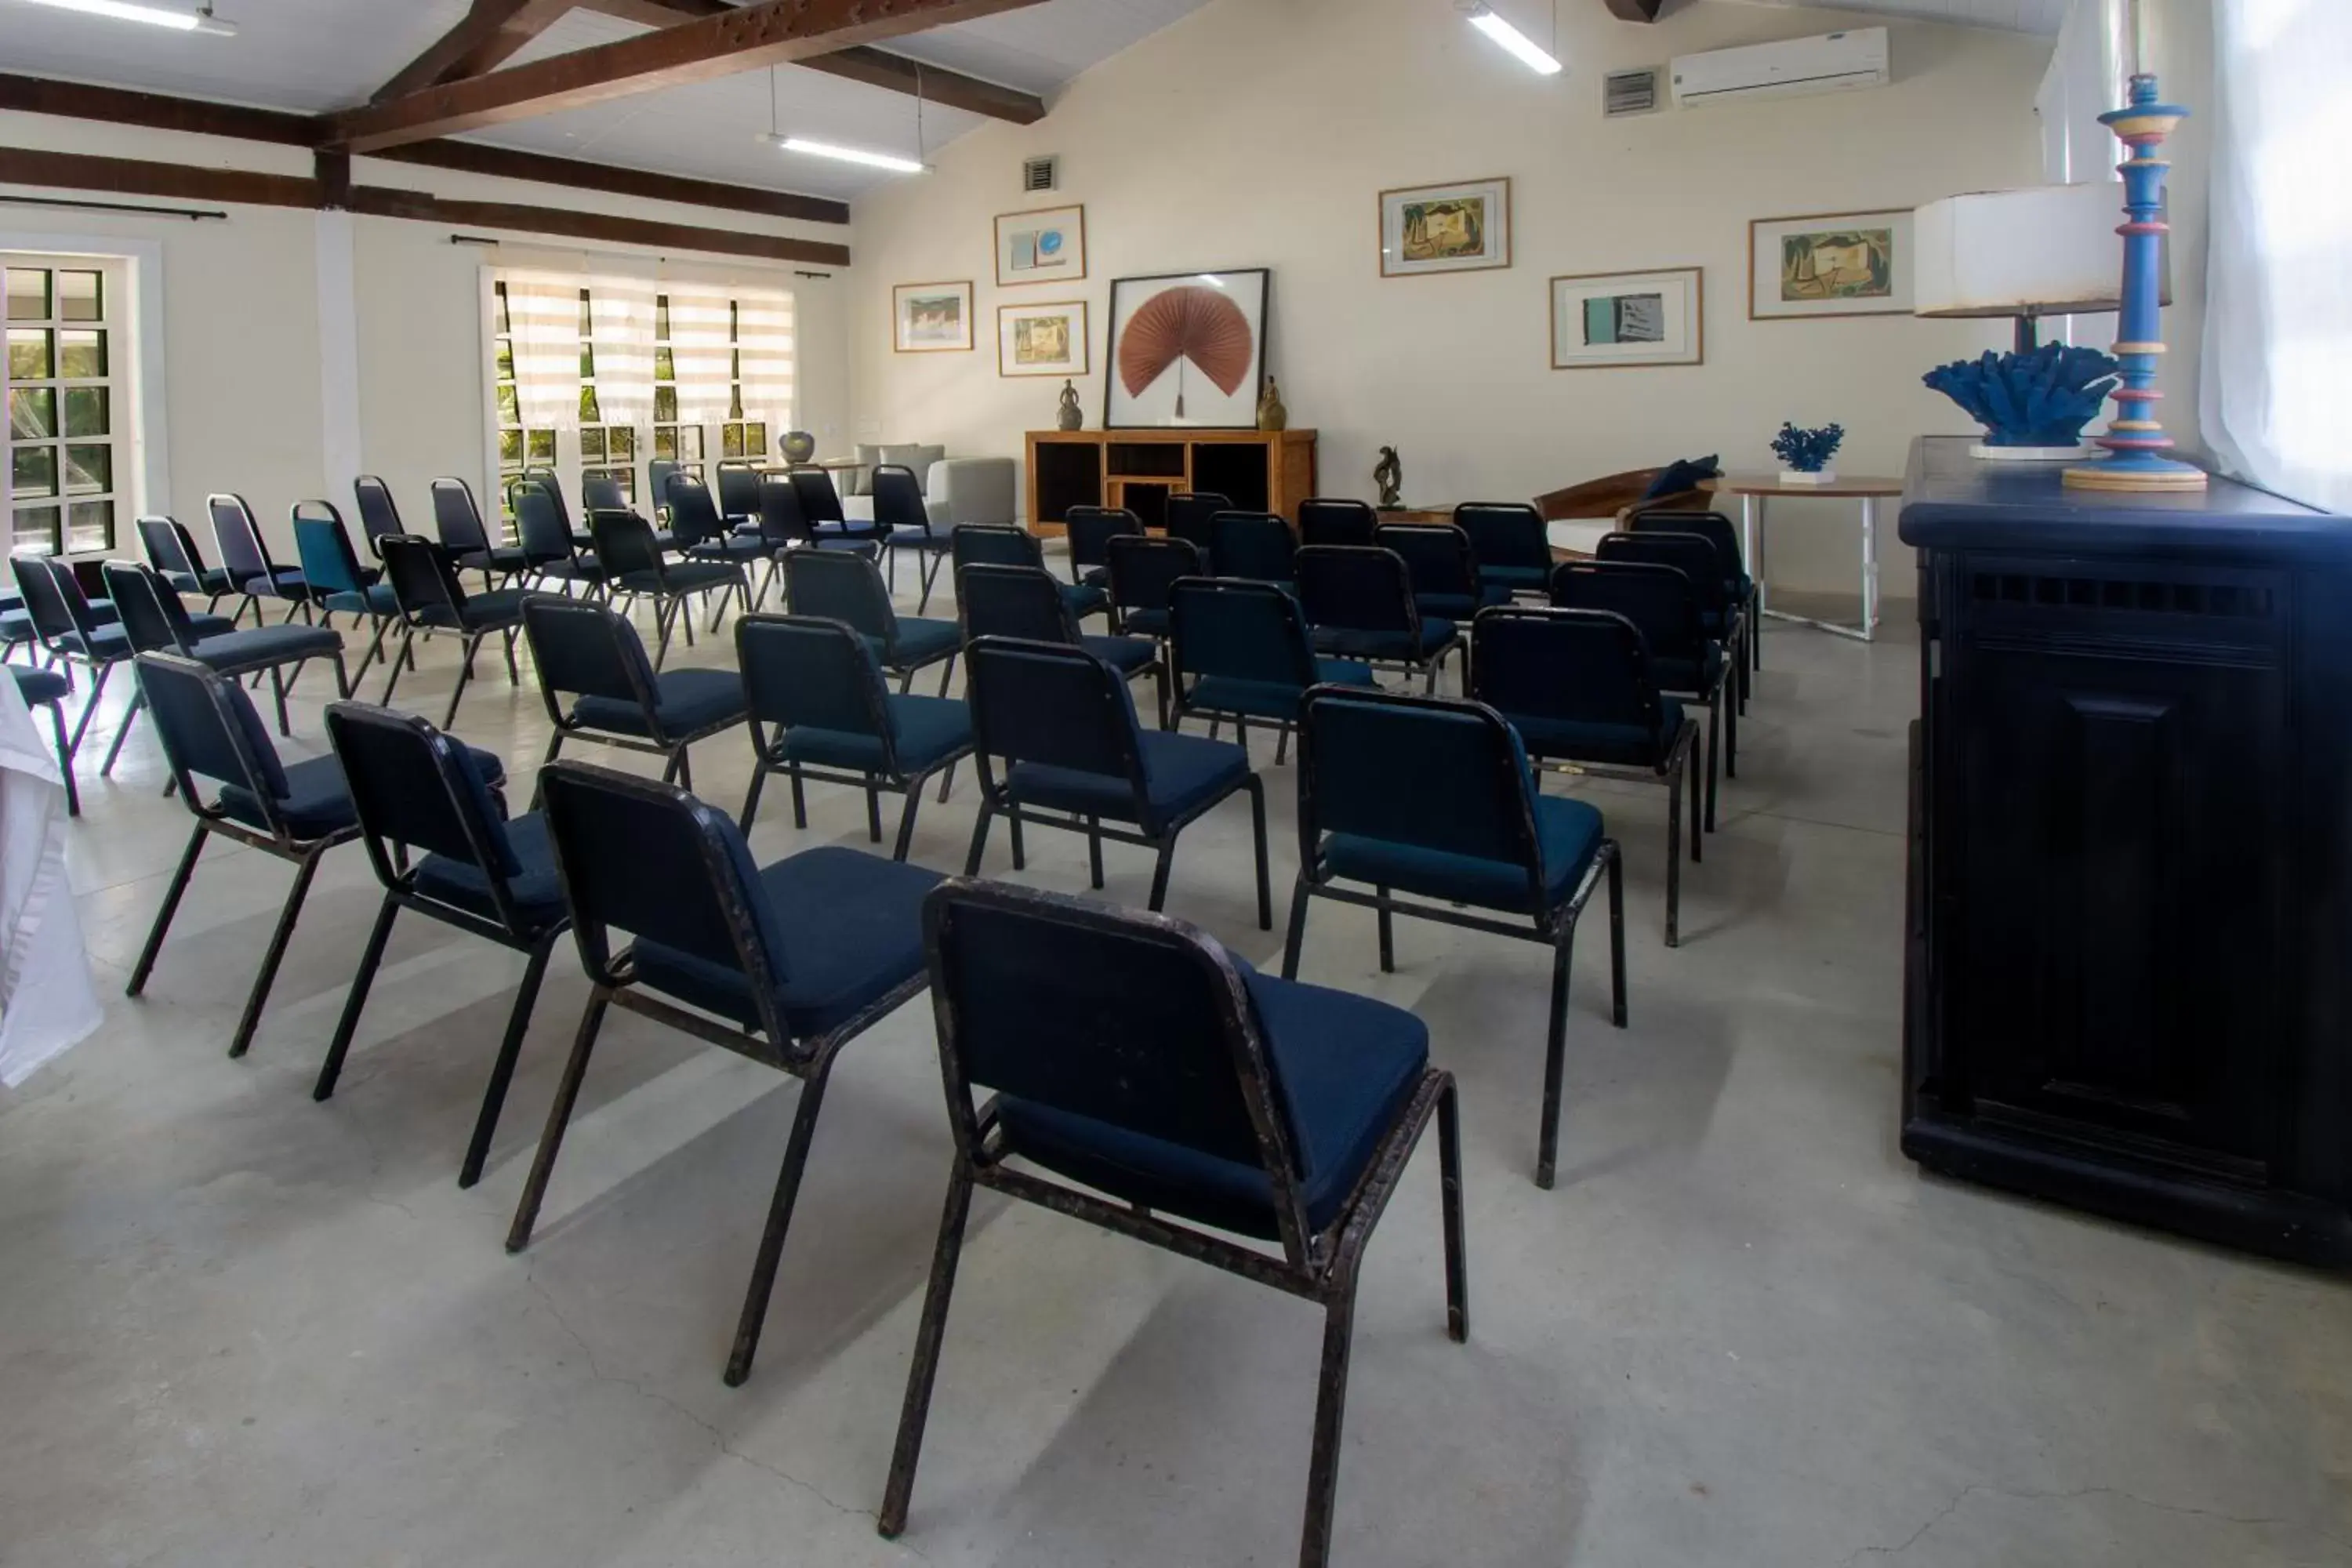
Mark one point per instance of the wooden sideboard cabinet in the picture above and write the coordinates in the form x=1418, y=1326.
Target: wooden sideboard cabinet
x=1261, y=470
x=2128, y=983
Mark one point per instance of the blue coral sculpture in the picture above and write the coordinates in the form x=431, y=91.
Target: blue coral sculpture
x=1808, y=451
x=2040, y=399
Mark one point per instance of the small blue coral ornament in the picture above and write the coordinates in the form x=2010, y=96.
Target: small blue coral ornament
x=2032, y=406
x=1808, y=453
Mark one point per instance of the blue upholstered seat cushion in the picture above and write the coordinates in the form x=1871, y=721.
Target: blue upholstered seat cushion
x=1435, y=633
x=1083, y=598
x=685, y=577
x=319, y=802
x=16, y=627
x=1568, y=833
x=286, y=585
x=40, y=684
x=534, y=891
x=1695, y=676
x=211, y=579
x=265, y=645
x=929, y=730
x=852, y=929
x=1512, y=578
x=1095, y=578
x=1126, y=655
x=204, y=624
x=920, y=642
x=1345, y=1067
x=497, y=558
x=686, y=702
x=856, y=528
x=1273, y=699
x=377, y=600
x=1681, y=475
x=1148, y=623
x=734, y=547
x=1181, y=773
x=1625, y=744
x=1458, y=606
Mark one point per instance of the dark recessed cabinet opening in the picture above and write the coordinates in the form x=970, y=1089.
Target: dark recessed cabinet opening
x=1236, y=471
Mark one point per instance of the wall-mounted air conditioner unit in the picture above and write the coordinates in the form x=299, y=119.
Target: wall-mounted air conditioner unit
x=1835, y=63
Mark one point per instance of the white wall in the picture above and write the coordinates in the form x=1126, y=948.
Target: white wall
x=1258, y=132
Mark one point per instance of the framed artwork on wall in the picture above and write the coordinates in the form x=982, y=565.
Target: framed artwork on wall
x=1188, y=348
x=1048, y=245
x=933, y=318
x=1830, y=264
x=1460, y=228
x=1042, y=340
x=1604, y=319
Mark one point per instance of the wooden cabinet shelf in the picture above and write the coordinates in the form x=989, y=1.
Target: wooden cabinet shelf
x=1262, y=470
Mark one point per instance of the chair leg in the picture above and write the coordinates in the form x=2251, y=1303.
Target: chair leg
x=1616, y=936
x=1674, y=850
x=371, y=957
x=1330, y=1409
x=1282, y=746
x=780, y=1220
x=559, y=1115
x=946, y=782
x=1020, y=848
x=343, y=677
x=89, y=707
x=924, y=1370
x=1388, y=931
x=514, y=676
x=1257, y=830
x=277, y=693
x=1159, y=872
x=465, y=673
x=494, y=1095
x=404, y=658
x=172, y=894
x=946, y=674
x=121, y=733
x=800, y=798
x=914, y=793
x=1563, y=961
x=273, y=953
x=1295, y=937
x=1714, y=755
x=65, y=757
x=1449, y=1166
x=873, y=811
x=978, y=838
x=663, y=620
x=1729, y=697
x=760, y=771
x=1094, y=852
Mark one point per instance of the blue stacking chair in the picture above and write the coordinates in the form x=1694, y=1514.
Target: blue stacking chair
x=549, y=543
x=1684, y=660
x=1446, y=582
x=1739, y=587
x=817, y=683
x=1240, y=651
x=631, y=555
x=379, y=514
x=1062, y=721
x=1143, y=576
x=906, y=524
x=1255, y=546
x=1327, y=522
x=1178, y=1089
x=785, y=963
x=245, y=556
x=591, y=654
x=1190, y=515
x=599, y=493
x=468, y=540
x=295, y=812
x=1027, y=603
x=171, y=550
x=1359, y=604
x=703, y=534
x=72, y=630
x=1089, y=530
x=445, y=848
x=658, y=474
x=1695, y=556
x=425, y=584
x=16, y=625
x=155, y=622
x=1513, y=549
x=1004, y=544
x=1435, y=798
x=739, y=496
x=48, y=689
x=819, y=503
x=1577, y=685
x=841, y=585
x=343, y=586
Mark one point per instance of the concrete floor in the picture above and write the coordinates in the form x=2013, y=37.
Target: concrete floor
x=240, y=1328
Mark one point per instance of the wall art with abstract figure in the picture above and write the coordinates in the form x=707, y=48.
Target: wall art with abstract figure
x=1186, y=349
x=1044, y=247
x=1834, y=264
x=1460, y=228
x=933, y=318
x=1042, y=340
x=1602, y=319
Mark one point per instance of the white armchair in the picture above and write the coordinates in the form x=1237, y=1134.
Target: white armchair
x=957, y=490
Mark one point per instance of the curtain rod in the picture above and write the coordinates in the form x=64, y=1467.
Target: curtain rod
x=192, y=213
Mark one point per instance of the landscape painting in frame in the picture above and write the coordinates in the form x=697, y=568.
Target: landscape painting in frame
x=1603, y=319
x=933, y=318
x=1834, y=264
x=1186, y=349
x=1044, y=247
x=1461, y=227
x=1042, y=340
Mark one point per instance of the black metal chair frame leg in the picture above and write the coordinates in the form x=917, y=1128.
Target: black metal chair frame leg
x=559, y=1115
x=172, y=892
x=89, y=707
x=65, y=758
x=276, y=950
x=494, y=1095
x=923, y=1372
x=355, y=1001
x=780, y=1220
x=121, y=733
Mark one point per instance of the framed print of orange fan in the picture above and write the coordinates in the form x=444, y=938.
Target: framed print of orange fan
x=1186, y=349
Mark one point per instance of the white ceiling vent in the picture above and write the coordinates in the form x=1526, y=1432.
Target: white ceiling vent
x=1041, y=173
x=1630, y=92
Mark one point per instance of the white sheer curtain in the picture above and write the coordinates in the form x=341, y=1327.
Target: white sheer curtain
x=621, y=311
x=699, y=351
x=2276, y=400
x=764, y=340
x=543, y=320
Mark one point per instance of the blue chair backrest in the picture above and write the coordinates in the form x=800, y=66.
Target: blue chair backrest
x=1433, y=773
x=803, y=672
x=1689, y=553
x=624, y=544
x=693, y=515
x=898, y=499
x=1189, y=513
x=1505, y=534
x=1437, y=555
x=738, y=491
x=546, y=535
x=1322, y=521
x=1143, y=571
x=243, y=554
x=585, y=650
x=1658, y=600
x=658, y=474
x=994, y=545
x=1050, y=703
x=142, y=604
x=1136, y=1021
x=602, y=492
x=45, y=601
x=159, y=538
x=1022, y=602
x=209, y=729
x=423, y=583
x=1243, y=631
x=378, y=515
x=1356, y=587
x=1712, y=526
x=413, y=788
x=1092, y=528
x=837, y=586
x=820, y=502
x=780, y=522
x=1253, y=544
x=329, y=562
x=1587, y=667
x=456, y=517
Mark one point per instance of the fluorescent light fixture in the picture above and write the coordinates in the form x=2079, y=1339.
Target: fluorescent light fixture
x=1482, y=16
x=201, y=21
x=890, y=161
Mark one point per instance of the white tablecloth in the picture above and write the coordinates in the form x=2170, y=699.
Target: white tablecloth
x=49, y=1000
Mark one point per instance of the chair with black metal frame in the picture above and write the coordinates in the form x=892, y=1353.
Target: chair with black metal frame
x=1446, y=582
x=738, y=496
x=245, y=556
x=1009, y=544
x=16, y=627
x=1088, y=530
x=1683, y=661
x=1432, y=796
x=70, y=633
x=553, y=549
x=1577, y=685
x=155, y=621
x=659, y=471
x=1739, y=586
x=466, y=537
x=171, y=550
x=1064, y=723
x=1231, y=1100
x=821, y=505
x=1143, y=576
x=444, y=848
x=818, y=684
x=593, y=655
x=1254, y=546
x=784, y=964
x=634, y=565
x=379, y=513
x=702, y=535
x=1188, y=516
x=905, y=519
x=600, y=492
x=1359, y=604
x=295, y=812
x=1024, y=603
x=425, y=583
x=1511, y=544
x=1718, y=616
x=1326, y=520
x=1240, y=651
x=846, y=586
x=343, y=586
x=48, y=689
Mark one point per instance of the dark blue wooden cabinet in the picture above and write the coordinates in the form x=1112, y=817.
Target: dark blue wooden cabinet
x=2129, y=978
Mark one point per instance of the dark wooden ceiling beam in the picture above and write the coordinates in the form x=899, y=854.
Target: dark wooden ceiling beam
x=483, y=38
x=121, y=106
x=139, y=177
x=1633, y=10
x=750, y=37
